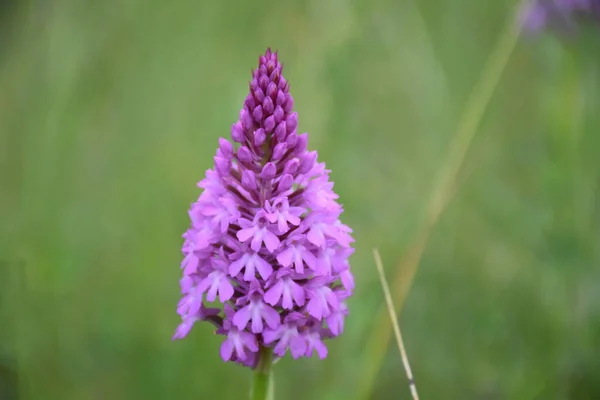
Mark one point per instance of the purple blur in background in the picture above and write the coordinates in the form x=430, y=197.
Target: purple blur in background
x=561, y=15
x=265, y=238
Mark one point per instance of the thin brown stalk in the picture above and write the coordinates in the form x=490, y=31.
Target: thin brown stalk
x=395, y=324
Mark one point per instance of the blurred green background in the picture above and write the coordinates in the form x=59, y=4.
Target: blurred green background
x=110, y=113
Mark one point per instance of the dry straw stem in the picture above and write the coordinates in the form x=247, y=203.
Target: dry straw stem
x=443, y=190
x=395, y=324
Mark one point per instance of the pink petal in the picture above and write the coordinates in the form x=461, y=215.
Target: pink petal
x=280, y=347
x=310, y=259
x=298, y=262
x=274, y=294
x=321, y=349
x=225, y=289
x=257, y=323
x=190, y=264
x=244, y=234
x=209, y=210
x=194, y=304
x=347, y=279
x=335, y=322
x=282, y=225
x=257, y=240
x=239, y=347
x=297, y=346
x=298, y=294
x=269, y=336
x=226, y=350
x=271, y=317
x=183, y=329
x=249, y=274
x=316, y=237
x=249, y=340
x=271, y=241
x=186, y=284
x=285, y=257
x=287, y=302
x=224, y=225
x=236, y=266
x=264, y=268
x=212, y=292
x=324, y=265
x=242, y=317
x=315, y=308
x=332, y=299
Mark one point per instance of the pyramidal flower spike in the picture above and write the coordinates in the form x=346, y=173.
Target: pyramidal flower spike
x=266, y=256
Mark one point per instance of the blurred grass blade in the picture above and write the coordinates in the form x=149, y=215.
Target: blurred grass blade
x=395, y=324
x=441, y=195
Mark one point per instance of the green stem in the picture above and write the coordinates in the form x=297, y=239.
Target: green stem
x=262, y=376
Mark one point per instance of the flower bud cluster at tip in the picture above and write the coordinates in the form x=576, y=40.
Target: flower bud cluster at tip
x=265, y=239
